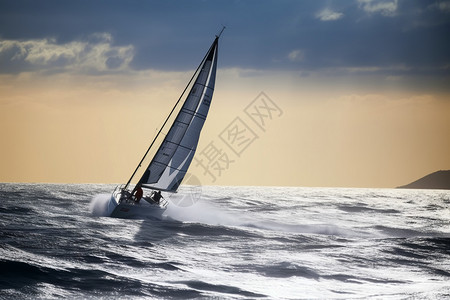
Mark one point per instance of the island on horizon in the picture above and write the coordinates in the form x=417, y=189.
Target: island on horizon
x=439, y=180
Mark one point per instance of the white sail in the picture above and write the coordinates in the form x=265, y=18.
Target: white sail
x=172, y=160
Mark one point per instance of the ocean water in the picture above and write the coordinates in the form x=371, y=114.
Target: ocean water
x=230, y=243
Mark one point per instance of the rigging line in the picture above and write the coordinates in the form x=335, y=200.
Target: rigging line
x=170, y=114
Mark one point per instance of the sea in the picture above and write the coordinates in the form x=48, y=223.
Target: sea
x=226, y=243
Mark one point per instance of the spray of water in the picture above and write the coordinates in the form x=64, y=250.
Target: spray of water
x=99, y=205
x=208, y=213
x=202, y=212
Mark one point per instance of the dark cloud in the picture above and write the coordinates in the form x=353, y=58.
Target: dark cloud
x=308, y=36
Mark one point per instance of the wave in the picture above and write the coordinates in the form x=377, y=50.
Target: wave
x=400, y=232
x=358, y=209
x=15, y=274
x=313, y=242
x=219, y=288
x=19, y=275
x=16, y=210
x=323, y=229
x=287, y=269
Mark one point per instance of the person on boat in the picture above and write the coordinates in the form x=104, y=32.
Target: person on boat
x=156, y=196
x=138, y=193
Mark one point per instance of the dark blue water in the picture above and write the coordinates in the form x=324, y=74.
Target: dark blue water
x=234, y=243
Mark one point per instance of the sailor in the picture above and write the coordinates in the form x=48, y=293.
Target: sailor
x=138, y=193
x=157, y=196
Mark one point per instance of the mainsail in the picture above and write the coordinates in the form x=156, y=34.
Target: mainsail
x=171, y=161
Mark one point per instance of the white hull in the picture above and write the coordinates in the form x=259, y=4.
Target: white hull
x=130, y=209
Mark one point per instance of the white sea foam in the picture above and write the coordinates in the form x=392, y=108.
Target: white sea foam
x=202, y=212
x=99, y=205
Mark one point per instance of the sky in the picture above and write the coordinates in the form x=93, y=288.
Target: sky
x=317, y=93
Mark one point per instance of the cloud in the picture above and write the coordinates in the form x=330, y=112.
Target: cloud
x=442, y=6
x=296, y=56
x=62, y=36
x=386, y=8
x=329, y=15
x=394, y=78
x=95, y=55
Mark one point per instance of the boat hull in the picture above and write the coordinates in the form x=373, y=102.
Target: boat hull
x=130, y=210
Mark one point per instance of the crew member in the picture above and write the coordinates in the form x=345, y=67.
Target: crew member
x=138, y=193
x=157, y=196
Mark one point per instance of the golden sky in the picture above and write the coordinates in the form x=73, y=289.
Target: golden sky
x=94, y=129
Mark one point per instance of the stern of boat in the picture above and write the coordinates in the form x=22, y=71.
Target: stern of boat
x=122, y=205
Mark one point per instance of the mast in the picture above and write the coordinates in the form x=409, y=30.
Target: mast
x=171, y=112
x=220, y=33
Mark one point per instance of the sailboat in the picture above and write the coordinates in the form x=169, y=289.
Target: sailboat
x=171, y=161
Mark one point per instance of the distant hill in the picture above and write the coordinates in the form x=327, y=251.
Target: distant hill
x=437, y=180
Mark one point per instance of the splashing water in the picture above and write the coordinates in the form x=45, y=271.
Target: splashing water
x=202, y=212
x=99, y=205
